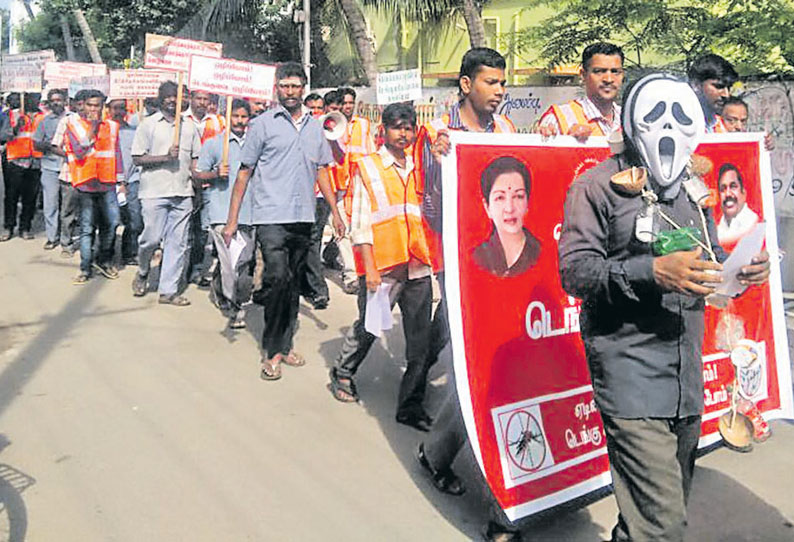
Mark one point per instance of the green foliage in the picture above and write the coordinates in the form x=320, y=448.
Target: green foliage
x=753, y=34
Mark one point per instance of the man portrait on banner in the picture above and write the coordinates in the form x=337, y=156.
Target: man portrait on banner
x=511, y=249
x=737, y=217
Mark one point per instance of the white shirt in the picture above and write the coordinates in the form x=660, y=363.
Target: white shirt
x=743, y=222
x=592, y=113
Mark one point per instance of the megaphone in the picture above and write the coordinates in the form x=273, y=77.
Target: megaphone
x=334, y=125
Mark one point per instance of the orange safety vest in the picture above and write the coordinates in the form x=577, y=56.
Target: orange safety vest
x=719, y=127
x=571, y=113
x=100, y=162
x=430, y=132
x=22, y=145
x=356, y=143
x=397, y=230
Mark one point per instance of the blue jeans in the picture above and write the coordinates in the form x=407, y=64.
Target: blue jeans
x=51, y=196
x=165, y=220
x=93, y=206
x=132, y=218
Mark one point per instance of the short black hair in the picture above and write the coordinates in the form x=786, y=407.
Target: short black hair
x=53, y=91
x=504, y=164
x=167, y=88
x=735, y=100
x=11, y=98
x=123, y=100
x=476, y=58
x=32, y=100
x=332, y=97
x=712, y=66
x=397, y=112
x=237, y=103
x=80, y=95
x=194, y=92
x=94, y=93
x=346, y=91
x=725, y=168
x=600, y=48
x=286, y=70
x=312, y=97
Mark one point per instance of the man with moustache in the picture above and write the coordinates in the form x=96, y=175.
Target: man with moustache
x=219, y=179
x=51, y=163
x=737, y=217
x=284, y=155
x=735, y=113
x=711, y=77
x=315, y=104
x=166, y=194
x=597, y=114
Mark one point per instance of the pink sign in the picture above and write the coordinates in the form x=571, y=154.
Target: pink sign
x=231, y=77
x=173, y=54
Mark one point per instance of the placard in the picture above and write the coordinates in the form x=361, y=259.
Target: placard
x=173, y=54
x=231, y=77
x=137, y=84
x=22, y=72
x=95, y=82
x=61, y=74
x=399, y=86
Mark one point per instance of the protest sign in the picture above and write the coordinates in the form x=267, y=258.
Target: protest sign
x=61, y=74
x=97, y=82
x=399, y=86
x=521, y=374
x=173, y=54
x=231, y=77
x=22, y=72
x=137, y=84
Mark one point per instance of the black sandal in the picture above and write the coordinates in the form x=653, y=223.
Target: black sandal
x=344, y=392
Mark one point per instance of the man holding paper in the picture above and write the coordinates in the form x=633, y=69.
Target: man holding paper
x=284, y=154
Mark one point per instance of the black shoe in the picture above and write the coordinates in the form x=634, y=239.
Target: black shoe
x=139, y=285
x=445, y=480
x=258, y=297
x=498, y=533
x=417, y=420
x=132, y=260
x=319, y=302
x=49, y=245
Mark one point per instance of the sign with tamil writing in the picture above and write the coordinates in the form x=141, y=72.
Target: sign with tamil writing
x=231, y=77
x=400, y=86
x=137, y=84
x=22, y=72
x=95, y=82
x=61, y=74
x=173, y=54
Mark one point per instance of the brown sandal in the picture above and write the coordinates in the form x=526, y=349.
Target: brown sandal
x=293, y=359
x=270, y=372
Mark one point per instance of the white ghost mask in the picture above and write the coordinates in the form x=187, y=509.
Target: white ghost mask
x=663, y=119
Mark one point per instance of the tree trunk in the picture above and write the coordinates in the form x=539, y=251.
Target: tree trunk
x=67, y=37
x=358, y=32
x=88, y=36
x=28, y=9
x=471, y=12
x=398, y=38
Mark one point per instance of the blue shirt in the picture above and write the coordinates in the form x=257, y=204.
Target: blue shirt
x=287, y=157
x=44, y=133
x=219, y=194
x=132, y=173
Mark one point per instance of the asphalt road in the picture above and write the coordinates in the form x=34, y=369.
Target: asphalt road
x=124, y=420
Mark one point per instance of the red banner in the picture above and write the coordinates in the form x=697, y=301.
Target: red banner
x=522, y=378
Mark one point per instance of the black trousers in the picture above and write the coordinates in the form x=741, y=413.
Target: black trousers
x=415, y=298
x=284, y=248
x=313, y=282
x=21, y=184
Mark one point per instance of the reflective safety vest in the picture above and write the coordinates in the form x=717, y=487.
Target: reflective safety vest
x=22, y=145
x=213, y=125
x=719, y=127
x=100, y=162
x=397, y=230
x=429, y=132
x=571, y=113
x=356, y=143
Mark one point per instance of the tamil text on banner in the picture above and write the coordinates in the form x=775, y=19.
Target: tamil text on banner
x=137, y=84
x=91, y=82
x=61, y=74
x=521, y=373
x=22, y=72
x=173, y=54
x=399, y=86
x=231, y=77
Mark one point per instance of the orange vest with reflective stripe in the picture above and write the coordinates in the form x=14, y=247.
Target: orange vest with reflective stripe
x=22, y=145
x=719, y=127
x=213, y=125
x=100, y=162
x=429, y=132
x=357, y=143
x=571, y=113
x=397, y=230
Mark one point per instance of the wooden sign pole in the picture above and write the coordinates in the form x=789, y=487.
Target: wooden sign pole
x=21, y=103
x=178, y=118
x=225, y=157
x=140, y=108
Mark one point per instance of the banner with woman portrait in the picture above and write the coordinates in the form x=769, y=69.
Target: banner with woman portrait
x=521, y=374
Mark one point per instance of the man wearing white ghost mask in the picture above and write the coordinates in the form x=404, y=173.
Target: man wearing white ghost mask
x=642, y=311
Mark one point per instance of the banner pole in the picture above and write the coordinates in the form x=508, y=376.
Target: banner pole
x=225, y=157
x=140, y=108
x=178, y=117
x=22, y=103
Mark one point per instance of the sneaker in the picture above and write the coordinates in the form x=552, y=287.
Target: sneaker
x=350, y=288
x=319, y=302
x=26, y=235
x=108, y=270
x=174, y=299
x=139, y=285
x=81, y=278
x=238, y=321
x=132, y=260
x=49, y=245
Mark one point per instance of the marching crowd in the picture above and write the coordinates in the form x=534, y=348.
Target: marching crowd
x=169, y=178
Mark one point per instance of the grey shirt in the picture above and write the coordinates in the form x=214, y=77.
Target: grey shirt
x=132, y=173
x=44, y=133
x=643, y=345
x=155, y=136
x=287, y=156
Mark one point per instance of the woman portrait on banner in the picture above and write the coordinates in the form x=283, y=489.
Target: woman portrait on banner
x=511, y=249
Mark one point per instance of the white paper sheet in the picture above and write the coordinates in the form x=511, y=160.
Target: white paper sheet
x=746, y=249
x=378, y=316
x=228, y=258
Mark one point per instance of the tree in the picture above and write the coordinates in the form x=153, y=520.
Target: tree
x=88, y=35
x=358, y=34
x=472, y=13
x=751, y=33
